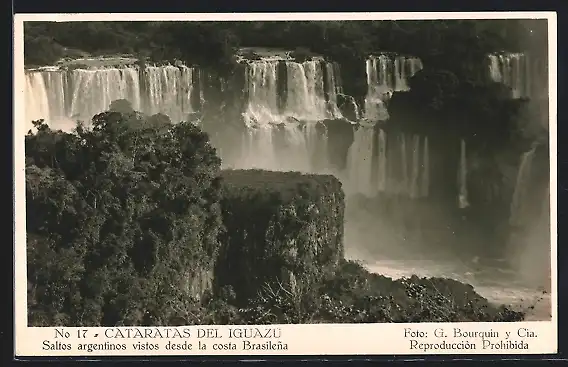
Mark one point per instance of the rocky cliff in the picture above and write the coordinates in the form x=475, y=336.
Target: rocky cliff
x=283, y=229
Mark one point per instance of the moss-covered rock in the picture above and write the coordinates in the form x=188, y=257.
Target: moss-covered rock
x=282, y=228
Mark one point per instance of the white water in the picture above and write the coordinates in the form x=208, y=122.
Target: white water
x=518, y=207
x=37, y=102
x=169, y=91
x=497, y=283
x=399, y=165
x=462, y=177
x=301, y=146
x=63, y=97
x=93, y=90
x=352, y=106
x=387, y=246
x=261, y=79
x=360, y=163
x=386, y=74
x=513, y=70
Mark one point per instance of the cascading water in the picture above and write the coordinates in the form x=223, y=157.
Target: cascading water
x=79, y=94
x=518, y=210
x=382, y=161
x=529, y=220
x=169, y=90
x=305, y=92
x=289, y=110
x=462, y=177
x=335, y=89
x=513, y=70
x=353, y=106
x=37, y=101
x=360, y=163
x=408, y=166
x=395, y=164
x=386, y=74
x=93, y=90
x=262, y=108
x=55, y=83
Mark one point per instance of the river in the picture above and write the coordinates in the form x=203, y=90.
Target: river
x=519, y=279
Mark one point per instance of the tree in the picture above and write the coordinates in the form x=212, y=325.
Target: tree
x=128, y=212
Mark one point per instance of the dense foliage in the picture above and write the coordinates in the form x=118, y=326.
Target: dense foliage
x=353, y=295
x=282, y=227
x=447, y=43
x=484, y=114
x=122, y=220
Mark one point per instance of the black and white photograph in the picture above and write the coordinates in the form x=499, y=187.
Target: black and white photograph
x=286, y=172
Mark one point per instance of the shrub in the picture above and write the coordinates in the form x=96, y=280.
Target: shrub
x=353, y=295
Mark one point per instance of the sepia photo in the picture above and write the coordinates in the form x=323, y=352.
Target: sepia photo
x=270, y=172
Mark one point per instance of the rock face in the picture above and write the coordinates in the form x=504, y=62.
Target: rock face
x=283, y=230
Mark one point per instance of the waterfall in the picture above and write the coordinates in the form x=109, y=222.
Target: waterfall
x=495, y=68
x=36, y=95
x=287, y=107
x=351, y=110
x=262, y=90
x=425, y=179
x=382, y=161
x=93, y=90
x=255, y=140
x=404, y=164
x=360, y=162
x=395, y=164
x=79, y=94
x=169, y=90
x=305, y=92
x=55, y=83
x=521, y=188
x=462, y=177
x=414, y=192
x=334, y=90
x=513, y=70
x=287, y=147
x=295, y=100
x=386, y=74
